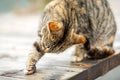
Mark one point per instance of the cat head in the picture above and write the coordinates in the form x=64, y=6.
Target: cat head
x=53, y=33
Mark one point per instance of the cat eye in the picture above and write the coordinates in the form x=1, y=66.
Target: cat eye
x=53, y=37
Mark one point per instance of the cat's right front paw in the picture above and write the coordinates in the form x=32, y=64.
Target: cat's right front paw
x=77, y=59
x=30, y=70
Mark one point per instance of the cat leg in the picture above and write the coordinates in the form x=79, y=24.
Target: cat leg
x=33, y=58
x=100, y=52
x=79, y=54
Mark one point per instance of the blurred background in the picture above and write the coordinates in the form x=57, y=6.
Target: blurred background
x=19, y=20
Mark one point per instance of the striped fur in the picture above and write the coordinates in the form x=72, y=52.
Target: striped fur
x=87, y=23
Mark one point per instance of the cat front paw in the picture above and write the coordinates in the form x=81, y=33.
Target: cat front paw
x=30, y=70
x=77, y=59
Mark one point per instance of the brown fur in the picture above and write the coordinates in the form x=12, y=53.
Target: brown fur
x=88, y=24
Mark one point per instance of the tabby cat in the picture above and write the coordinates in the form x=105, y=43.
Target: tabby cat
x=87, y=24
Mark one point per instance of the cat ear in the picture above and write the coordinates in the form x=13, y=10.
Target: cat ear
x=55, y=26
x=77, y=38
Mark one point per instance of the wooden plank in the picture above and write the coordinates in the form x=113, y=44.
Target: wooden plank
x=58, y=68
x=9, y=78
x=98, y=69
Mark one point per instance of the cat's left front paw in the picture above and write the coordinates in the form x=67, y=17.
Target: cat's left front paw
x=30, y=70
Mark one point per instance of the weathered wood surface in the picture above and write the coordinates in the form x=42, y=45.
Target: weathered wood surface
x=99, y=68
x=57, y=67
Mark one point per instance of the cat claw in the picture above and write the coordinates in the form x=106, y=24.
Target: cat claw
x=30, y=70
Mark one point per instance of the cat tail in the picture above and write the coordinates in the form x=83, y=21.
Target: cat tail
x=100, y=52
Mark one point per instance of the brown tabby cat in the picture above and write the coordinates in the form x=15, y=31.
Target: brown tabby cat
x=88, y=24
